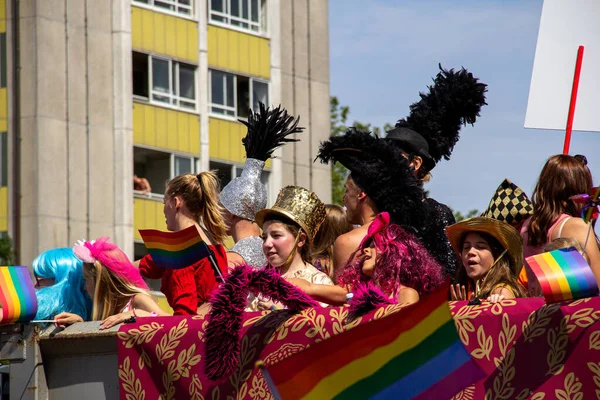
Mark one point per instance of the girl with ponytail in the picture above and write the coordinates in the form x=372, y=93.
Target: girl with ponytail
x=191, y=200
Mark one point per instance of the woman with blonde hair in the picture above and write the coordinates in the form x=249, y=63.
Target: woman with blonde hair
x=116, y=287
x=334, y=225
x=191, y=200
x=555, y=215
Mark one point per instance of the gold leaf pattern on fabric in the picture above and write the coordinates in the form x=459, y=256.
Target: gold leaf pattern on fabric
x=578, y=302
x=572, y=389
x=170, y=341
x=497, y=307
x=463, y=318
x=485, y=344
x=595, y=340
x=536, y=322
x=284, y=352
x=501, y=388
x=558, y=339
x=196, y=388
x=135, y=337
x=131, y=385
x=595, y=369
x=259, y=389
x=144, y=360
x=467, y=393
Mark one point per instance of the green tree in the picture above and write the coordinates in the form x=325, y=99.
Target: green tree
x=6, y=250
x=459, y=217
x=338, y=126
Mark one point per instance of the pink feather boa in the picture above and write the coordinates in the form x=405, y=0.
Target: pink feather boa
x=226, y=315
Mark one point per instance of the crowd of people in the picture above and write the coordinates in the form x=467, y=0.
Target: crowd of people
x=390, y=241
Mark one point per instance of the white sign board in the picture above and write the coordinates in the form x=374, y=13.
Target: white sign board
x=565, y=25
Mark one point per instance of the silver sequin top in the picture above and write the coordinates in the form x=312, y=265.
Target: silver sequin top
x=250, y=249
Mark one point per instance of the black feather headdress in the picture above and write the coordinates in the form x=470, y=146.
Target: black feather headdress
x=381, y=172
x=455, y=99
x=268, y=130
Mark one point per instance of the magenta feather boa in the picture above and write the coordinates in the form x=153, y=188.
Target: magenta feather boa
x=226, y=315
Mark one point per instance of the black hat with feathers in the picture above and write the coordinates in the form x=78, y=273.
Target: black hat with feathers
x=383, y=174
x=455, y=99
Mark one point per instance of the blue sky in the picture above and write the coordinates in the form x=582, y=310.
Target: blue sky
x=384, y=52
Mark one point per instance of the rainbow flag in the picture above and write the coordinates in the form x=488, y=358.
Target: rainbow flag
x=17, y=295
x=175, y=250
x=563, y=275
x=415, y=353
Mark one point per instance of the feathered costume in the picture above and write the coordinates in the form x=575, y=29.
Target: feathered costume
x=244, y=196
x=431, y=131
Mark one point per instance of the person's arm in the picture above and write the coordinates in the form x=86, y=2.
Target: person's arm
x=142, y=306
x=500, y=294
x=407, y=295
x=577, y=229
x=234, y=259
x=330, y=294
x=65, y=318
x=343, y=247
x=148, y=269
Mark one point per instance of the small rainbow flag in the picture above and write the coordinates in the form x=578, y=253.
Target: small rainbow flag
x=175, y=250
x=17, y=295
x=563, y=275
x=414, y=353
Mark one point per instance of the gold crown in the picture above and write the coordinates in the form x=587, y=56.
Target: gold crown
x=300, y=205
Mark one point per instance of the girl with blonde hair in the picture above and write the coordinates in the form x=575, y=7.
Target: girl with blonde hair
x=116, y=287
x=191, y=200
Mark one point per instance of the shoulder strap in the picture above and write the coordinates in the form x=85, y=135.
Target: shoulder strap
x=560, y=228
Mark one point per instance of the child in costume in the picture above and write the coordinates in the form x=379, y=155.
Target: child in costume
x=491, y=252
x=289, y=228
x=429, y=134
x=394, y=262
x=245, y=195
x=119, y=293
x=191, y=200
x=61, y=294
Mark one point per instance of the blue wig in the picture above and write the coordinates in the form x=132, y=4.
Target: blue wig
x=68, y=292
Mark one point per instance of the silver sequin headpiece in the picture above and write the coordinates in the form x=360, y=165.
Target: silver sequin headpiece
x=245, y=195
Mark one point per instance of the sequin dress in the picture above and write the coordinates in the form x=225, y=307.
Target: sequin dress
x=434, y=237
x=250, y=249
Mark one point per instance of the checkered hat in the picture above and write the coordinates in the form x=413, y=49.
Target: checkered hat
x=509, y=204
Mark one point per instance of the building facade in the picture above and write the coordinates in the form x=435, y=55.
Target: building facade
x=93, y=93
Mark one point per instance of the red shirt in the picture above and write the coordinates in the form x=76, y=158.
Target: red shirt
x=186, y=288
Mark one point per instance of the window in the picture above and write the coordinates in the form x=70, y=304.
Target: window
x=182, y=7
x=248, y=15
x=164, y=81
x=3, y=159
x=158, y=167
x=233, y=95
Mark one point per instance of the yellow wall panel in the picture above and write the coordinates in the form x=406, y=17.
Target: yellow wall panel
x=136, y=28
x=3, y=208
x=226, y=140
x=238, y=52
x=194, y=132
x=2, y=25
x=172, y=135
x=150, y=127
x=182, y=38
x=183, y=132
x=160, y=33
x=2, y=9
x=161, y=127
x=165, y=128
x=3, y=103
x=192, y=40
x=147, y=214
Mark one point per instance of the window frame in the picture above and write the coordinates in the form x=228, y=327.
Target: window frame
x=175, y=99
x=251, y=80
x=261, y=25
x=150, y=4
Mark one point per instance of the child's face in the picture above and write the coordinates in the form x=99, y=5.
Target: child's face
x=477, y=257
x=368, y=257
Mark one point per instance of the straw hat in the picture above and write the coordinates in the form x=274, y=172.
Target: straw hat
x=504, y=233
x=298, y=204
